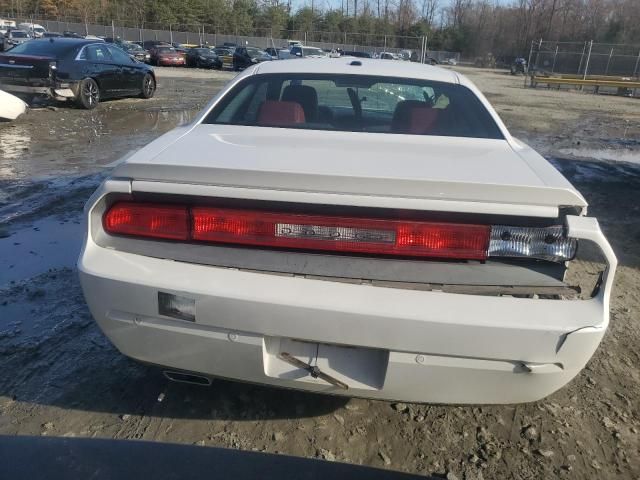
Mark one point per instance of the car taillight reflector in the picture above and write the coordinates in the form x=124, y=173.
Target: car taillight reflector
x=148, y=220
x=544, y=243
x=341, y=234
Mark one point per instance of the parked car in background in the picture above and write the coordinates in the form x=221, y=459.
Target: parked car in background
x=150, y=44
x=349, y=263
x=273, y=52
x=387, y=56
x=181, y=48
x=84, y=71
x=519, y=65
x=244, y=57
x=298, y=51
x=202, y=58
x=33, y=29
x=51, y=35
x=451, y=61
x=70, y=34
x=13, y=38
x=162, y=55
x=136, y=51
x=6, y=25
x=222, y=51
x=353, y=53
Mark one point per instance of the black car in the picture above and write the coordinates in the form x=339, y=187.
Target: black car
x=244, y=57
x=70, y=34
x=203, y=58
x=136, y=51
x=51, y=35
x=84, y=71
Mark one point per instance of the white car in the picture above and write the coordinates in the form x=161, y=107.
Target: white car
x=299, y=51
x=35, y=30
x=352, y=227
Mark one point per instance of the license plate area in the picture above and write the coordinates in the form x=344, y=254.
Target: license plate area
x=359, y=368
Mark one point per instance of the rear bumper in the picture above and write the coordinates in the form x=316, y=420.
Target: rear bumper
x=39, y=87
x=432, y=346
x=165, y=62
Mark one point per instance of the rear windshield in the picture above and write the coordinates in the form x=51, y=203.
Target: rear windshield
x=17, y=34
x=355, y=103
x=312, y=51
x=255, y=52
x=43, y=47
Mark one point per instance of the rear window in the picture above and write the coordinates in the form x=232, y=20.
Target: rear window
x=355, y=103
x=255, y=52
x=312, y=51
x=17, y=34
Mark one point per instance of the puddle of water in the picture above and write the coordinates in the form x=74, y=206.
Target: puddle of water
x=48, y=142
x=36, y=248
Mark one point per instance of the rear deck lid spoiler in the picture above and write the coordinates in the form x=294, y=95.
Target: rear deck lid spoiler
x=391, y=171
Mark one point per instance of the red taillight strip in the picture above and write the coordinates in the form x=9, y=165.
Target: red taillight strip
x=304, y=232
x=148, y=220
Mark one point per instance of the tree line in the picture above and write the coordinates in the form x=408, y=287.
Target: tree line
x=473, y=27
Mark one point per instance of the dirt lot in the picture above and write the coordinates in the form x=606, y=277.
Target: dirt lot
x=63, y=378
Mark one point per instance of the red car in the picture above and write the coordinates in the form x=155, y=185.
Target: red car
x=166, y=55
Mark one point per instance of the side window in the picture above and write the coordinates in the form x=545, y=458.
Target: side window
x=231, y=109
x=259, y=97
x=296, y=50
x=98, y=53
x=118, y=55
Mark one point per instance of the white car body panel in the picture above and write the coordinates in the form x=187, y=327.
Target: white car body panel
x=460, y=169
x=11, y=107
x=384, y=342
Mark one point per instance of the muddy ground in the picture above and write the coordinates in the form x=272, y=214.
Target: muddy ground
x=61, y=377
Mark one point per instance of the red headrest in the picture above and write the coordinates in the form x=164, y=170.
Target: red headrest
x=422, y=120
x=274, y=113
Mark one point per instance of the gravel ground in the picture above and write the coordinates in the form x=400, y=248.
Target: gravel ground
x=63, y=378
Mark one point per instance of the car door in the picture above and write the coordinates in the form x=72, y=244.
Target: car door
x=101, y=66
x=131, y=76
x=238, y=57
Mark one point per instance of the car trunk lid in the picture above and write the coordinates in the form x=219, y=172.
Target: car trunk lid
x=24, y=66
x=396, y=171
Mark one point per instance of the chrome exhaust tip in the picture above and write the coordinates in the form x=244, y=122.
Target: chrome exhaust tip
x=182, y=377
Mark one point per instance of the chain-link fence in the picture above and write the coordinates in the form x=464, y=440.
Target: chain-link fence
x=585, y=59
x=201, y=34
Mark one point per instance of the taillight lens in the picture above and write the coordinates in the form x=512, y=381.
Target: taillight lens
x=148, y=220
x=357, y=235
x=545, y=243
x=337, y=234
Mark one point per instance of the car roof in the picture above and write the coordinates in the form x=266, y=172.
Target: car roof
x=360, y=66
x=67, y=41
